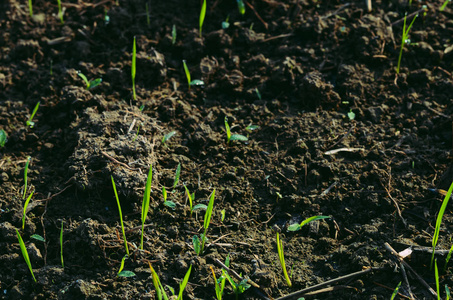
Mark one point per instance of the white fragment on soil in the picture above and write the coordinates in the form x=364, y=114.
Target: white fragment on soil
x=335, y=151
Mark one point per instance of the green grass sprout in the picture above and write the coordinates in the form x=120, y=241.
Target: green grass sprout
x=202, y=15
x=233, y=137
x=26, y=177
x=186, y=70
x=38, y=238
x=191, y=198
x=30, y=9
x=30, y=120
x=226, y=23
x=448, y=258
x=133, y=69
x=219, y=284
x=439, y=222
x=3, y=138
x=238, y=288
x=197, y=245
x=404, y=40
x=160, y=292
x=447, y=292
x=145, y=203
x=222, y=214
x=258, y=94
x=173, y=34
x=148, y=18
x=121, y=214
x=60, y=12
x=296, y=227
x=170, y=204
x=281, y=258
x=25, y=209
x=436, y=276
x=183, y=284
x=122, y=273
x=395, y=291
x=444, y=5
x=168, y=136
x=23, y=249
x=177, y=174
x=61, y=245
x=241, y=7
x=89, y=84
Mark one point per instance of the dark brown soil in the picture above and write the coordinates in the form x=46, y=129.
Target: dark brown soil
x=294, y=68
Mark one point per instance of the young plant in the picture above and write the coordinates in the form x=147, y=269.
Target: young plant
x=241, y=7
x=177, y=174
x=238, y=288
x=439, y=222
x=148, y=18
x=3, y=138
x=186, y=70
x=447, y=293
x=199, y=247
x=191, y=198
x=395, y=291
x=168, y=136
x=160, y=292
x=23, y=249
x=233, y=137
x=30, y=120
x=26, y=176
x=436, y=276
x=61, y=245
x=281, y=258
x=202, y=15
x=30, y=9
x=145, y=203
x=60, y=12
x=170, y=204
x=404, y=40
x=183, y=284
x=133, y=70
x=219, y=284
x=173, y=34
x=444, y=5
x=25, y=209
x=122, y=273
x=296, y=227
x=89, y=83
x=121, y=215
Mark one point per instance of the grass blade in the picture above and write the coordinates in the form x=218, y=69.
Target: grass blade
x=145, y=203
x=281, y=258
x=23, y=249
x=133, y=69
x=26, y=176
x=202, y=15
x=61, y=245
x=25, y=209
x=121, y=215
x=182, y=285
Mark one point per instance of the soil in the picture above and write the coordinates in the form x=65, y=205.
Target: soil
x=332, y=131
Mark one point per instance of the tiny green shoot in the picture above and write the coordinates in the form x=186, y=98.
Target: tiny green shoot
x=448, y=258
x=202, y=15
x=173, y=34
x=222, y=214
x=404, y=40
x=121, y=214
x=38, y=238
x=122, y=273
x=444, y=5
x=170, y=204
x=281, y=258
x=30, y=9
x=26, y=176
x=160, y=292
x=183, y=284
x=226, y=23
x=436, y=276
x=191, y=198
x=199, y=246
x=241, y=7
x=61, y=245
x=219, y=284
x=133, y=70
x=238, y=288
x=60, y=12
x=3, y=138
x=186, y=70
x=258, y=94
x=296, y=227
x=168, y=136
x=447, y=292
x=351, y=115
x=25, y=209
x=89, y=84
x=177, y=174
x=233, y=137
x=439, y=222
x=30, y=120
x=395, y=291
x=23, y=249
x=148, y=18
x=145, y=203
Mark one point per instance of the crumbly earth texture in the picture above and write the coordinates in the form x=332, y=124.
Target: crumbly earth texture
x=332, y=130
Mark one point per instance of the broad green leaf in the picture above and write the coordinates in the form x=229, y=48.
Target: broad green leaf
x=37, y=237
x=3, y=138
x=94, y=83
x=170, y=204
x=126, y=274
x=196, y=244
x=196, y=82
x=238, y=137
x=199, y=206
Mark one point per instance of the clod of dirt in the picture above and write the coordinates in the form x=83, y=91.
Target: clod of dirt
x=315, y=91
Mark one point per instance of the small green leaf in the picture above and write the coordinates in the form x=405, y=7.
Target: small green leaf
x=252, y=127
x=238, y=137
x=168, y=136
x=351, y=115
x=85, y=79
x=173, y=34
x=126, y=274
x=199, y=207
x=37, y=237
x=3, y=138
x=177, y=174
x=94, y=83
x=294, y=227
x=196, y=82
x=170, y=204
x=196, y=244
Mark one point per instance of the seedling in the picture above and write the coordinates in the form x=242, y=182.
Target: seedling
x=202, y=15
x=60, y=12
x=145, y=203
x=133, y=71
x=222, y=214
x=121, y=215
x=439, y=222
x=436, y=276
x=238, y=288
x=148, y=19
x=226, y=23
x=170, y=204
x=26, y=176
x=447, y=292
x=61, y=245
x=219, y=284
x=186, y=70
x=177, y=174
x=191, y=198
x=241, y=7
x=199, y=247
x=404, y=39
x=89, y=84
x=122, y=273
x=444, y=5
x=233, y=137
x=395, y=291
x=281, y=258
x=173, y=34
x=160, y=292
x=168, y=136
x=258, y=94
x=351, y=115
x=448, y=258
x=251, y=127
x=38, y=238
x=30, y=9
x=30, y=120
x=183, y=284
x=23, y=249
x=3, y=138
x=296, y=227
x=25, y=209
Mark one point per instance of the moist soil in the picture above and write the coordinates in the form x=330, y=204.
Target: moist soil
x=331, y=130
